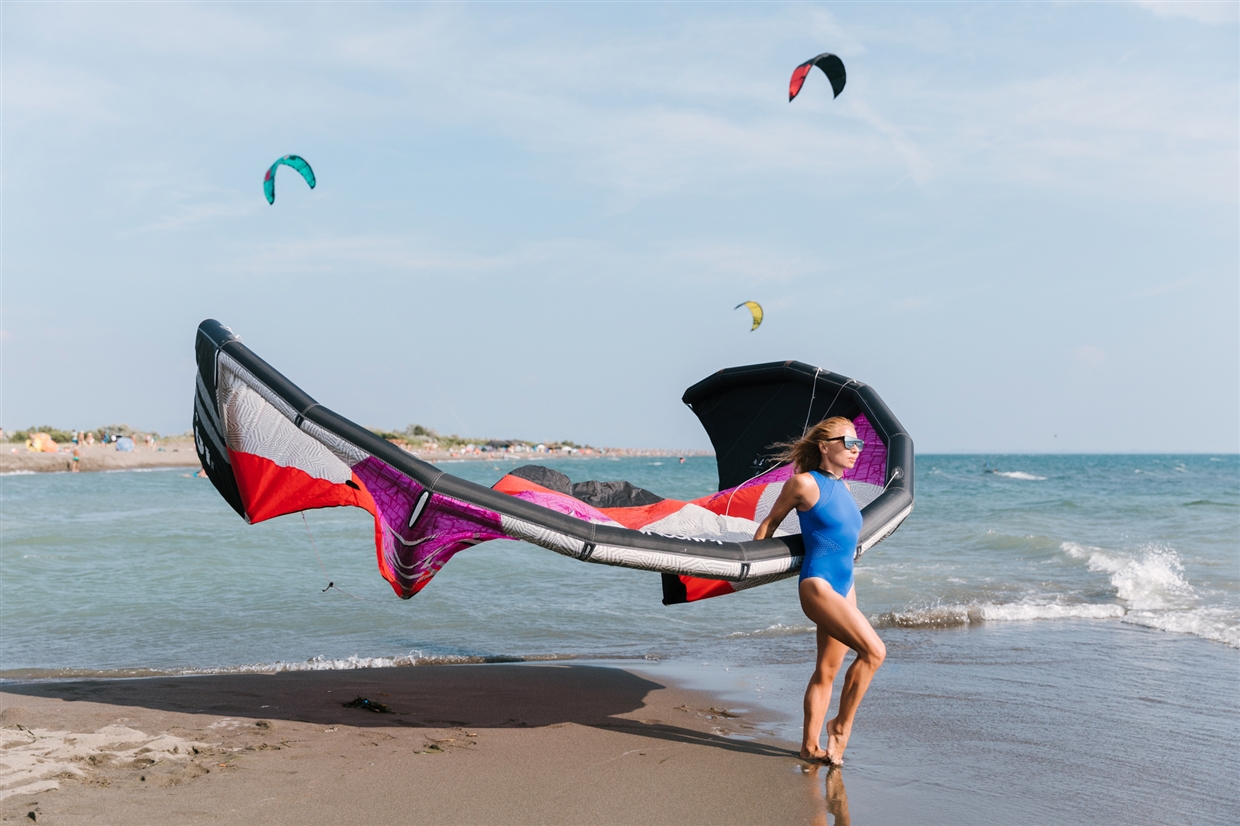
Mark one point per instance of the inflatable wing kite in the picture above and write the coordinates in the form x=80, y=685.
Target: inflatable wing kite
x=831, y=66
x=755, y=310
x=270, y=450
x=295, y=161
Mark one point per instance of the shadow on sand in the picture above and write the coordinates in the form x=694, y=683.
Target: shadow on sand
x=473, y=696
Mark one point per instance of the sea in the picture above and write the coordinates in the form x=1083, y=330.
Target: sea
x=1063, y=631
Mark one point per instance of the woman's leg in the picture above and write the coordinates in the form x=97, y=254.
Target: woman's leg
x=841, y=620
x=818, y=693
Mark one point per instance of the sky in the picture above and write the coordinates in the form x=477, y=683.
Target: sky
x=1019, y=222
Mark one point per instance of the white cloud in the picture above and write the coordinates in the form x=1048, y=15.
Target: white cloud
x=1089, y=356
x=754, y=264
x=400, y=254
x=1169, y=287
x=1213, y=12
x=699, y=106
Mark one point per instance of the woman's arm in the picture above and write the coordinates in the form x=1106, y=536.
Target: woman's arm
x=793, y=495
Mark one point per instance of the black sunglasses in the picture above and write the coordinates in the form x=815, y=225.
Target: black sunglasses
x=850, y=442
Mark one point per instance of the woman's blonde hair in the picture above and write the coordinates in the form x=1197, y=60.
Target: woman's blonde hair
x=804, y=452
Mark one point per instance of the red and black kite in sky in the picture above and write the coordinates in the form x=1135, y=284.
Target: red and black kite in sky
x=831, y=66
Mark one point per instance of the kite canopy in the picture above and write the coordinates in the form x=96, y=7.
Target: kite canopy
x=271, y=450
x=756, y=309
x=831, y=66
x=295, y=161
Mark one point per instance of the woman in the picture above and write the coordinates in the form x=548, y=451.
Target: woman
x=830, y=524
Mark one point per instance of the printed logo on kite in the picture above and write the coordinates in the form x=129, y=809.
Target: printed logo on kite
x=831, y=66
x=295, y=161
x=755, y=309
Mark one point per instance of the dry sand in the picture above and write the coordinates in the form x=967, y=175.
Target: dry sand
x=179, y=453
x=463, y=744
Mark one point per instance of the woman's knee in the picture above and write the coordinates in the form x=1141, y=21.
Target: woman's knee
x=876, y=653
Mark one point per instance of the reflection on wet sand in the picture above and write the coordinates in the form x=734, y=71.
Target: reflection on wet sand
x=832, y=794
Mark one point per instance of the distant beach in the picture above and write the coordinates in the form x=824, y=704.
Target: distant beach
x=16, y=458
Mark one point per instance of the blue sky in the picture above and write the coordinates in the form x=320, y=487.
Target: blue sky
x=1019, y=222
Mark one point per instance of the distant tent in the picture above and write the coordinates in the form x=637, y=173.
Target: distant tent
x=41, y=443
x=124, y=444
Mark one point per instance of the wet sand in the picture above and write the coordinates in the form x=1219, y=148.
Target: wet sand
x=553, y=743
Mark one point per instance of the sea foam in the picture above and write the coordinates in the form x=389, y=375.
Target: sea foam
x=776, y=630
x=1217, y=624
x=1152, y=578
x=947, y=616
x=1150, y=590
x=1019, y=474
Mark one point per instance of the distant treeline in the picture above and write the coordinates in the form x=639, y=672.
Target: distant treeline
x=59, y=435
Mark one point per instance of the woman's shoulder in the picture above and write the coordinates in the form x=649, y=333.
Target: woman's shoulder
x=808, y=483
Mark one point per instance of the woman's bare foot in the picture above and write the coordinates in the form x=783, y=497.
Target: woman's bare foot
x=814, y=754
x=837, y=741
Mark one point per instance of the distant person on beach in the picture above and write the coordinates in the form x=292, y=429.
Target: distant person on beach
x=830, y=525
x=77, y=457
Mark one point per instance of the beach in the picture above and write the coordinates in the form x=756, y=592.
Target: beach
x=1079, y=723
x=1063, y=639
x=462, y=744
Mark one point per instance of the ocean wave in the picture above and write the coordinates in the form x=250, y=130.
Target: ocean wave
x=1151, y=578
x=950, y=616
x=19, y=473
x=354, y=663
x=1018, y=474
x=776, y=630
x=1217, y=624
x=1150, y=591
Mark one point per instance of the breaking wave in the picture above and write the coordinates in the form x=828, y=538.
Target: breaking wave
x=1152, y=579
x=1217, y=624
x=776, y=630
x=949, y=616
x=1150, y=591
x=1019, y=474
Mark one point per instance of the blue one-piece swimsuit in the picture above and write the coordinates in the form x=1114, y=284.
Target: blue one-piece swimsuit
x=830, y=530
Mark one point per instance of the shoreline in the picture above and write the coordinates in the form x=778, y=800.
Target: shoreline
x=180, y=453
x=513, y=743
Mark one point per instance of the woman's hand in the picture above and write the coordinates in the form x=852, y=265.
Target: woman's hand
x=799, y=492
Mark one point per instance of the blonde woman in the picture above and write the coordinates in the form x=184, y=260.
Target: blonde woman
x=830, y=524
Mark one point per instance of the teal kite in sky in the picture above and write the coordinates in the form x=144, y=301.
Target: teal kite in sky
x=295, y=161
